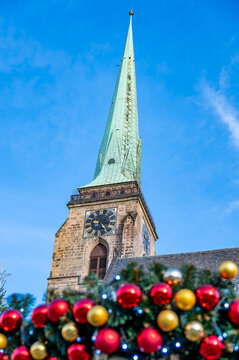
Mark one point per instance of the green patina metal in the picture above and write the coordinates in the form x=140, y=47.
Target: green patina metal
x=119, y=158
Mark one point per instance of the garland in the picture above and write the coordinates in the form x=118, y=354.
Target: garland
x=140, y=315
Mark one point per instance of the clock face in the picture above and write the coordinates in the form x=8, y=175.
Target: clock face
x=100, y=222
x=146, y=240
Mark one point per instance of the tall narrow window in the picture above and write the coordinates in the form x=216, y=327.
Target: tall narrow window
x=98, y=260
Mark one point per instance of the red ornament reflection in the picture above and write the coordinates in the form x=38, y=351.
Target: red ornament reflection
x=161, y=294
x=80, y=310
x=77, y=352
x=20, y=353
x=233, y=312
x=57, y=309
x=10, y=320
x=207, y=296
x=128, y=295
x=211, y=348
x=39, y=316
x=107, y=341
x=149, y=340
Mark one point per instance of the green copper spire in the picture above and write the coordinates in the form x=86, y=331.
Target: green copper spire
x=119, y=158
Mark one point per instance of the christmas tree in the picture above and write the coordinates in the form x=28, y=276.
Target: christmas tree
x=188, y=312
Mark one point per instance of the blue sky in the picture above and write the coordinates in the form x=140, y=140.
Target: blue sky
x=58, y=67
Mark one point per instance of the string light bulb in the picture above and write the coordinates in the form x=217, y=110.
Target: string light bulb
x=124, y=346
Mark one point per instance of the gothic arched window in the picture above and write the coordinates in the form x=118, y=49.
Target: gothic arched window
x=98, y=258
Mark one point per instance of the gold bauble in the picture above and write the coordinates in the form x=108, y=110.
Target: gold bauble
x=185, y=299
x=69, y=331
x=3, y=341
x=228, y=270
x=194, y=331
x=173, y=276
x=167, y=320
x=38, y=350
x=97, y=316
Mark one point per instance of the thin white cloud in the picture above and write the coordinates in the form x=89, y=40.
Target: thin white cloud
x=233, y=206
x=224, y=110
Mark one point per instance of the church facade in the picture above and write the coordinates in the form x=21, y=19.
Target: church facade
x=109, y=222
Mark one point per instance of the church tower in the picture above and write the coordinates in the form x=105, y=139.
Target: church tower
x=109, y=217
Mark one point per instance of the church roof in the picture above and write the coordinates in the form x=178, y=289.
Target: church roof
x=119, y=158
x=202, y=259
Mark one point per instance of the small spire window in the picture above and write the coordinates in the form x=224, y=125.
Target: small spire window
x=111, y=161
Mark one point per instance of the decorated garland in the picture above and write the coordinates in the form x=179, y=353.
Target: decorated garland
x=141, y=315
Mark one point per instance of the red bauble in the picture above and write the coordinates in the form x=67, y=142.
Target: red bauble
x=20, y=353
x=207, y=296
x=39, y=316
x=211, y=348
x=128, y=295
x=56, y=309
x=77, y=352
x=11, y=320
x=149, y=340
x=81, y=308
x=3, y=356
x=233, y=312
x=107, y=341
x=161, y=294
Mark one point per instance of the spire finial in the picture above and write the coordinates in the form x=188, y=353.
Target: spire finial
x=131, y=13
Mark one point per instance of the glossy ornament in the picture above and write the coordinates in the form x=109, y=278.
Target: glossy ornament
x=70, y=331
x=207, y=296
x=20, y=353
x=228, y=270
x=11, y=320
x=107, y=341
x=4, y=357
x=194, y=331
x=149, y=340
x=211, y=348
x=233, y=312
x=38, y=350
x=80, y=310
x=128, y=295
x=97, y=316
x=185, y=299
x=3, y=341
x=39, y=316
x=77, y=352
x=161, y=294
x=167, y=320
x=173, y=276
x=57, y=309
